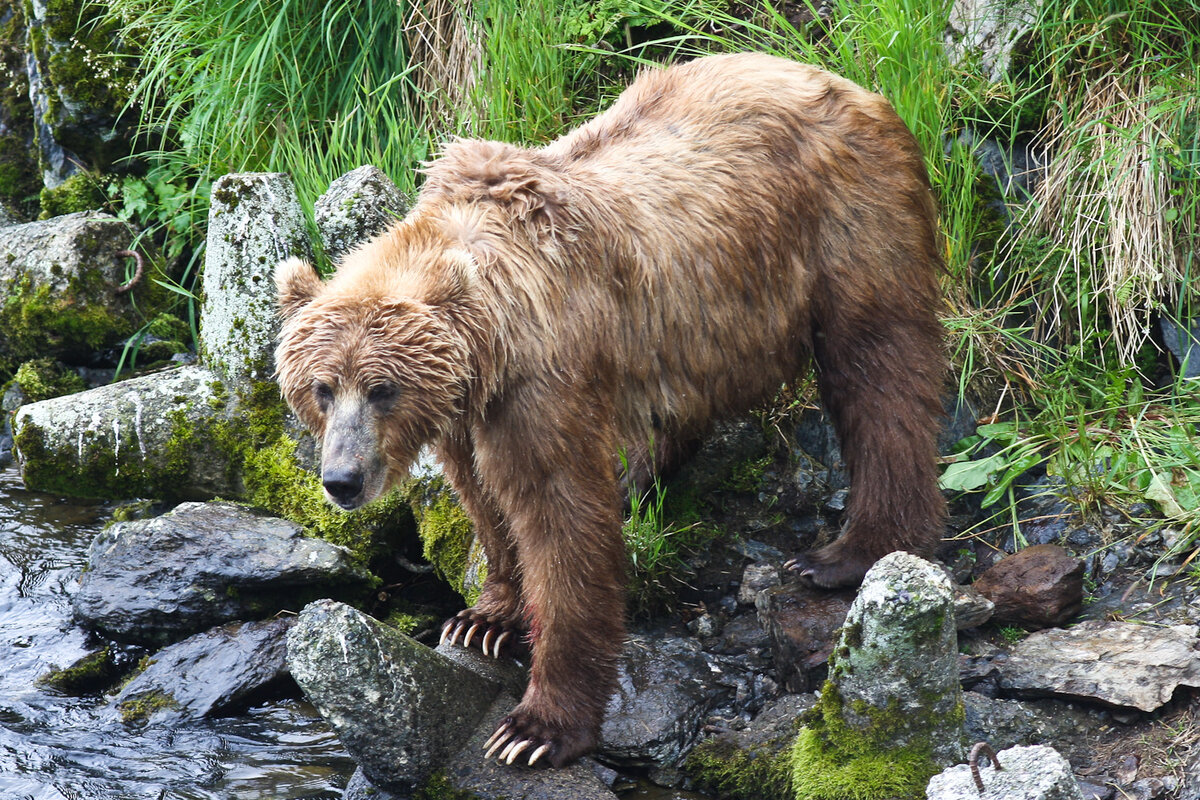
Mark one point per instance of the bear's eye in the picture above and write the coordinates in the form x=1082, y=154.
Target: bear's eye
x=323, y=393
x=382, y=393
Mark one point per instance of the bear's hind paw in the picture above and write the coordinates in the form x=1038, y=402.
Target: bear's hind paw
x=828, y=568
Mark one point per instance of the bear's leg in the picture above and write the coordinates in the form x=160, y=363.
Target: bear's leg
x=557, y=489
x=881, y=381
x=494, y=623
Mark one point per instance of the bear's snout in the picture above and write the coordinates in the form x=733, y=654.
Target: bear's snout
x=344, y=485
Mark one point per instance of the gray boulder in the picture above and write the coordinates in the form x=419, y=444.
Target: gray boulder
x=1035, y=772
x=58, y=277
x=1116, y=663
x=401, y=709
x=357, y=206
x=487, y=779
x=899, y=650
x=666, y=687
x=207, y=674
x=255, y=221
x=893, y=687
x=156, y=581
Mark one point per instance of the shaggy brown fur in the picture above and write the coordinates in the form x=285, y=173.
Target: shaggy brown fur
x=670, y=262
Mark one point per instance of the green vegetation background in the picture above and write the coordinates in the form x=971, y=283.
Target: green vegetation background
x=1053, y=304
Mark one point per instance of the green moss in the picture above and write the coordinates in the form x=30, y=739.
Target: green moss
x=169, y=328
x=446, y=532
x=142, y=708
x=92, y=673
x=747, y=476
x=41, y=320
x=80, y=192
x=721, y=767
x=409, y=622
x=44, y=378
x=438, y=787
x=831, y=760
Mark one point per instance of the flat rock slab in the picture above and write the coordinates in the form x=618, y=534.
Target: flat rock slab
x=486, y=779
x=208, y=673
x=1039, y=587
x=1118, y=663
x=401, y=709
x=1036, y=772
x=202, y=564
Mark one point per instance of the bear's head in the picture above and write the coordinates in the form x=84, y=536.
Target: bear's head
x=375, y=376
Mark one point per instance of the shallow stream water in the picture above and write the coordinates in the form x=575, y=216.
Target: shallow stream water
x=55, y=747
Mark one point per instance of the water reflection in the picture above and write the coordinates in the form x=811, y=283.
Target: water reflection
x=65, y=748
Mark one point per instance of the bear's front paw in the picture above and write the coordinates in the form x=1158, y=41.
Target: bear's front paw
x=831, y=567
x=522, y=737
x=488, y=635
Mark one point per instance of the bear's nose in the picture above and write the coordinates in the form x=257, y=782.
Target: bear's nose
x=344, y=484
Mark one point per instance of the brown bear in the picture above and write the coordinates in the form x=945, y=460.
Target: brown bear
x=672, y=261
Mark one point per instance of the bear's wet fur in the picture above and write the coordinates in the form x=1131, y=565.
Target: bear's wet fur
x=672, y=261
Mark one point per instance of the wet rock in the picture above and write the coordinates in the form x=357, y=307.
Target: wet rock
x=665, y=688
x=447, y=533
x=756, y=578
x=468, y=771
x=1036, y=772
x=401, y=709
x=207, y=674
x=815, y=436
x=138, y=438
x=1183, y=341
x=1039, y=587
x=92, y=673
x=357, y=206
x=255, y=221
x=971, y=609
x=58, y=278
x=717, y=763
x=1117, y=663
x=489, y=780
x=802, y=623
x=156, y=581
x=743, y=635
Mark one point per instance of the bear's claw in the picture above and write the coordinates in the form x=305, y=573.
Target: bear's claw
x=495, y=636
x=510, y=744
x=828, y=569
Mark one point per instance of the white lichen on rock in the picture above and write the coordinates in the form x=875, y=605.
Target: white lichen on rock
x=255, y=222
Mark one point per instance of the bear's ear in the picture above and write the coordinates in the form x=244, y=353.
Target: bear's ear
x=297, y=284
